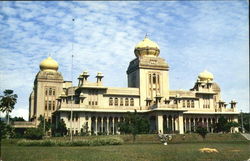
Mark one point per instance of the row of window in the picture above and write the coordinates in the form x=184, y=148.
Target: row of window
x=120, y=101
x=50, y=105
x=50, y=92
x=188, y=103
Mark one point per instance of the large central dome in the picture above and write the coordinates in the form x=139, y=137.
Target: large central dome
x=49, y=64
x=147, y=48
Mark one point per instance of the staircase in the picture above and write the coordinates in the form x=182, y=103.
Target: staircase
x=246, y=135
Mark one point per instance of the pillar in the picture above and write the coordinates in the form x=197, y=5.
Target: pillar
x=189, y=125
x=107, y=125
x=96, y=125
x=90, y=124
x=159, y=123
x=185, y=127
x=181, y=123
x=102, y=124
x=113, y=122
x=207, y=126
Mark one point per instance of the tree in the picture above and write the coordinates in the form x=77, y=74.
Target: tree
x=34, y=133
x=7, y=102
x=221, y=125
x=202, y=131
x=59, y=129
x=44, y=125
x=224, y=126
x=17, y=119
x=134, y=124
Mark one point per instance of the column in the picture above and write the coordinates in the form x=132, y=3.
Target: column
x=185, y=126
x=181, y=129
x=96, y=125
x=159, y=123
x=172, y=124
x=167, y=122
x=90, y=124
x=118, y=120
x=207, y=125
x=102, y=124
x=113, y=122
x=194, y=124
x=189, y=125
x=107, y=125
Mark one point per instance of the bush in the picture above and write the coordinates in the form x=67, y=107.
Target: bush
x=34, y=133
x=93, y=142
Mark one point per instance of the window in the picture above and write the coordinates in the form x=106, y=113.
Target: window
x=89, y=102
x=184, y=103
x=110, y=101
x=154, y=78
x=188, y=103
x=96, y=103
x=192, y=103
x=121, y=101
x=46, y=105
x=126, y=101
x=54, y=105
x=50, y=91
x=116, y=101
x=46, y=92
x=54, y=92
x=49, y=105
x=131, y=102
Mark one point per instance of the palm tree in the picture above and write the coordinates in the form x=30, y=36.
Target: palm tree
x=7, y=102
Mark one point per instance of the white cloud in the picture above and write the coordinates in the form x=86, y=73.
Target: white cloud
x=192, y=36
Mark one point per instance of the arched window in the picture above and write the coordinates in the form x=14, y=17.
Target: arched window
x=121, y=101
x=154, y=78
x=184, y=103
x=46, y=105
x=110, y=101
x=54, y=105
x=131, y=102
x=192, y=103
x=50, y=91
x=188, y=103
x=49, y=105
x=116, y=101
x=126, y=101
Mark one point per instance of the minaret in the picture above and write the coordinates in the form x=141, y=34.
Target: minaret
x=48, y=86
x=149, y=73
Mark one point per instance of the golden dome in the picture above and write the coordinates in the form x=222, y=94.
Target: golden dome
x=49, y=64
x=147, y=48
x=206, y=76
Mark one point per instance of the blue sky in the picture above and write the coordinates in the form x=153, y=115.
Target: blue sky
x=192, y=35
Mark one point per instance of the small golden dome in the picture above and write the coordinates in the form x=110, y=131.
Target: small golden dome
x=206, y=76
x=147, y=48
x=49, y=64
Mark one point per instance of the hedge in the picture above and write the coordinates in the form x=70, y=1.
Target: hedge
x=92, y=142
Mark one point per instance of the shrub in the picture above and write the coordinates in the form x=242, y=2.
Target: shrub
x=34, y=133
x=93, y=142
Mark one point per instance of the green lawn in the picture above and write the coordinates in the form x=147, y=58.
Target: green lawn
x=143, y=150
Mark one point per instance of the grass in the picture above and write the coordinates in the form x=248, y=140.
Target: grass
x=146, y=148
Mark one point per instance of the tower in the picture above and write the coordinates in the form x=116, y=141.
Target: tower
x=149, y=73
x=48, y=85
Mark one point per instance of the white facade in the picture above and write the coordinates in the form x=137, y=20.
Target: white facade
x=97, y=108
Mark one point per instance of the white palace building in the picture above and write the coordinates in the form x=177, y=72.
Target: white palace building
x=97, y=108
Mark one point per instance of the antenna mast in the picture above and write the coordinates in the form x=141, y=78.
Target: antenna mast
x=72, y=100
